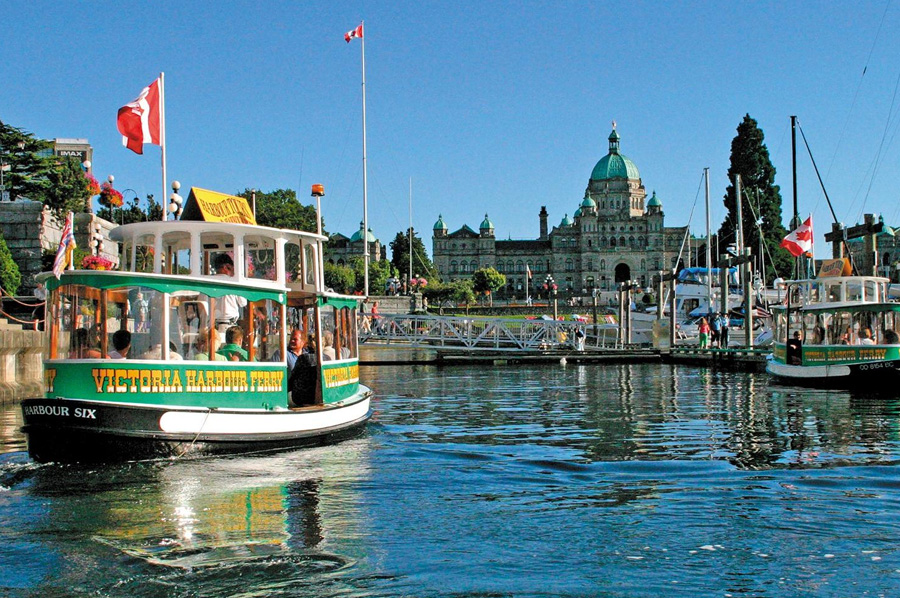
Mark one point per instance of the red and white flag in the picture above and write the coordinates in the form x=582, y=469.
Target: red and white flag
x=65, y=248
x=358, y=32
x=800, y=241
x=139, y=120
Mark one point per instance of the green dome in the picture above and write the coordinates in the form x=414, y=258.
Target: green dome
x=486, y=224
x=588, y=202
x=578, y=213
x=614, y=165
x=358, y=235
x=654, y=202
x=566, y=221
x=439, y=225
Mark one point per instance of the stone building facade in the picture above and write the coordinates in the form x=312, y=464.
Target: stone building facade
x=616, y=235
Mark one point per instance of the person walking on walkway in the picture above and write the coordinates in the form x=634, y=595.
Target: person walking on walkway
x=703, y=330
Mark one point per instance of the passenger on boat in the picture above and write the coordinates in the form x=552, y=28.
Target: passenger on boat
x=82, y=346
x=295, y=346
x=232, y=349
x=155, y=352
x=865, y=337
x=202, y=353
x=121, y=344
x=304, y=377
x=890, y=337
x=328, y=353
x=228, y=307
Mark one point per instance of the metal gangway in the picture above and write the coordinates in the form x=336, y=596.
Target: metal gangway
x=478, y=333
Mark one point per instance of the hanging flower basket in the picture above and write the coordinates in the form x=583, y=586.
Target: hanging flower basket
x=109, y=197
x=96, y=262
x=93, y=187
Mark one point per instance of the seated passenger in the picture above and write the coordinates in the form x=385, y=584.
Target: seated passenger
x=121, y=345
x=232, y=349
x=890, y=337
x=328, y=353
x=202, y=347
x=304, y=377
x=81, y=346
x=865, y=337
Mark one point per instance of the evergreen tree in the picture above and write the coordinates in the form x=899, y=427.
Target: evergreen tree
x=761, y=201
x=10, y=277
x=280, y=209
x=422, y=266
x=34, y=173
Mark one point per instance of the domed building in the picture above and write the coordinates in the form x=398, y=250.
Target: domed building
x=615, y=235
x=340, y=249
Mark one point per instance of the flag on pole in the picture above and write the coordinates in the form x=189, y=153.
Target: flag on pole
x=800, y=241
x=139, y=120
x=527, y=272
x=358, y=32
x=66, y=246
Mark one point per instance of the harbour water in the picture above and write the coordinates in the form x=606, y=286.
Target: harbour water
x=596, y=480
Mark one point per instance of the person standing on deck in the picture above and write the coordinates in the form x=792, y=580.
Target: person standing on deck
x=723, y=331
x=228, y=307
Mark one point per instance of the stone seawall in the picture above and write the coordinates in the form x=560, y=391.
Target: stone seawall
x=21, y=364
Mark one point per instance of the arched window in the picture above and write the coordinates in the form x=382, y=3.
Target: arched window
x=622, y=241
x=612, y=241
x=643, y=264
x=520, y=267
x=454, y=267
x=509, y=266
x=603, y=242
x=603, y=264
x=570, y=265
x=631, y=242
x=640, y=241
x=473, y=265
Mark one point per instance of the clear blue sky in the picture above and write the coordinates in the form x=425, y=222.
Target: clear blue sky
x=488, y=106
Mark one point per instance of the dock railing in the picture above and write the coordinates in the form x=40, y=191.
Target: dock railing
x=486, y=333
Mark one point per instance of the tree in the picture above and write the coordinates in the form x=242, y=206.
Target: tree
x=10, y=277
x=761, y=201
x=340, y=278
x=281, y=209
x=487, y=281
x=34, y=173
x=379, y=272
x=421, y=265
x=133, y=212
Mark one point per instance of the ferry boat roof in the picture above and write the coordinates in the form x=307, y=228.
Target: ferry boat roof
x=833, y=292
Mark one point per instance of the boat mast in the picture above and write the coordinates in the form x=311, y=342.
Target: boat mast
x=795, y=222
x=410, y=231
x=708, y=248
x=365, y=180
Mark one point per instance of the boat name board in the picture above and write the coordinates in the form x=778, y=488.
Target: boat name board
x=339, y=376
x=820, y=355
x=139, y=381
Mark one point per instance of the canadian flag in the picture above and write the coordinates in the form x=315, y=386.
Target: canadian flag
x=800, y=241
x=358, y=32
x=139, y=120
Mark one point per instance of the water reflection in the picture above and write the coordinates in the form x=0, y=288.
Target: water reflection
x=237, y=516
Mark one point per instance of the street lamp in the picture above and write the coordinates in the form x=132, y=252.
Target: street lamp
x=175, y=201
x=550, y=287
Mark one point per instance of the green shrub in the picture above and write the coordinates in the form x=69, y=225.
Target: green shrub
x=10, y=277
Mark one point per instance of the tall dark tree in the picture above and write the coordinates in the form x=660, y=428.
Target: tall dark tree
x=31, y=171
x=422, y=265
x=761, y=201
x=280, y=209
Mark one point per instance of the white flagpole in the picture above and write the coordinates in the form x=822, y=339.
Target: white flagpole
x=162, y=141
x=365, y=180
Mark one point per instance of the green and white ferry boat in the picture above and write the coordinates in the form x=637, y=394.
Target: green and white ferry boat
x=205, y=370
x=837, y=331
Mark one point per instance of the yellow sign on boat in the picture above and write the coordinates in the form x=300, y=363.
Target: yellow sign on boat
x=835, y=267
x=213, y=206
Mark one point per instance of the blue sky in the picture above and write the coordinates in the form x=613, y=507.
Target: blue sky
x=487, y=106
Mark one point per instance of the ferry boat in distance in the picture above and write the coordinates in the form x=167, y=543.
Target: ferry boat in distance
x=837, y=331
x=209, y=310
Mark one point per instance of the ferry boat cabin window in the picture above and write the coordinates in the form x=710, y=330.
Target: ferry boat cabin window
x=177, y=252
x=144, y=253
x=260, y=258
x=214, y=244
x=309, y=253
x=338, y=333
x=263, y=338
x=293, y=263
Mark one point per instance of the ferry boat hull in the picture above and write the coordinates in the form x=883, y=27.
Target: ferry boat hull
x=75, y=430
x=851, y=376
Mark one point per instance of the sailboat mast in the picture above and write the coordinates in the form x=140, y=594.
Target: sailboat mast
x=410, y=231
x=795, y=222
x=708, y=248
x=365, y=179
